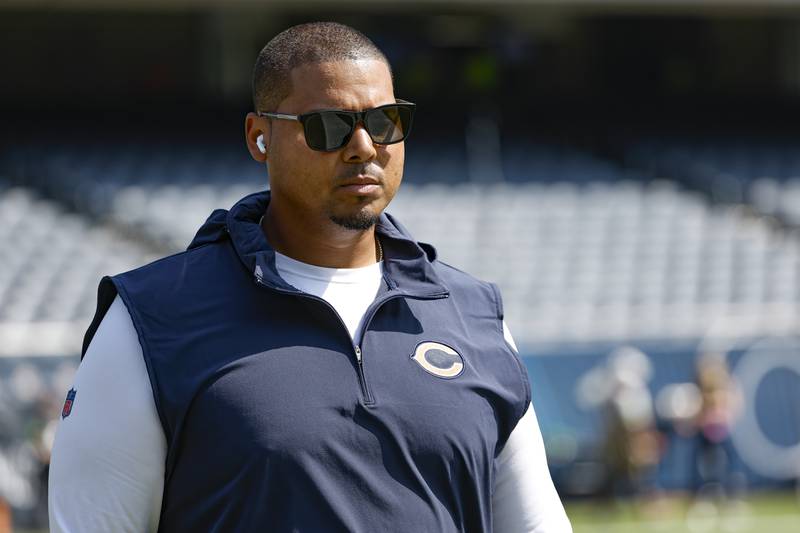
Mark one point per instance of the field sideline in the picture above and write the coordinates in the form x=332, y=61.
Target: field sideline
x=760, y=513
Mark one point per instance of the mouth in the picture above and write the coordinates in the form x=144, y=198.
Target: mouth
x=362, y=184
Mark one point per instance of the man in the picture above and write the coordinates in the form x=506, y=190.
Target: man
x=305, y=365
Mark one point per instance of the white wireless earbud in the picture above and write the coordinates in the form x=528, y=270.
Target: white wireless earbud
x=260, y=143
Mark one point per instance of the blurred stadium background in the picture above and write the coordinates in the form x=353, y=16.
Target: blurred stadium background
x=627, y=171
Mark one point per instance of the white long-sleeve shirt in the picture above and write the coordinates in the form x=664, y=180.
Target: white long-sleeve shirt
x=107, y=465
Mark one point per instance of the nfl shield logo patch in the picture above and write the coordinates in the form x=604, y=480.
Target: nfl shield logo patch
x=68, y=403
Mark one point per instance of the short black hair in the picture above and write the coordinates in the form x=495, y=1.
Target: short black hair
x=314, y=42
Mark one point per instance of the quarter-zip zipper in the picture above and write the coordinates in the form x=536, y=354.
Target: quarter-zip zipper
x=362, y=378
x=355, y=347
x=371, y=310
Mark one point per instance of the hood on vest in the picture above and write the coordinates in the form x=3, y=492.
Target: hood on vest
x=408, y=265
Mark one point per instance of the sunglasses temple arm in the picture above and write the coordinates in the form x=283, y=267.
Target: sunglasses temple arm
x=281, y=116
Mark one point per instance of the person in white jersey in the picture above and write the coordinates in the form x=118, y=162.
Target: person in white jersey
x=118, y=459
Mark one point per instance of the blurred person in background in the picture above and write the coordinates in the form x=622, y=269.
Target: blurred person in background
x=27, y=406
x=704, y=412
x=718, y=408
x=306, y=364
x=632, y=445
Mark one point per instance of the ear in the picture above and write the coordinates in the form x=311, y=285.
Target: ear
x=255, y=127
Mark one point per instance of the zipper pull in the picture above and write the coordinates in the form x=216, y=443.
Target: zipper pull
x=358, y=354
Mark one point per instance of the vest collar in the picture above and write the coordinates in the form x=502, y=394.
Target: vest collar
x=407, y=264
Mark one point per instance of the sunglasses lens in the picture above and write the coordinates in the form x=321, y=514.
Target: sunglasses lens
x=327, y=130
x=389, y=124
x=330, y=130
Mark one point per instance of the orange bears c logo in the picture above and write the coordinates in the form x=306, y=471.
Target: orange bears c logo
x=438, y=359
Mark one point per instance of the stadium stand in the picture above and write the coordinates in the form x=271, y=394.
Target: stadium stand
x=614, y=260
x=763, y=172
x=52, y=261
x=583, y=250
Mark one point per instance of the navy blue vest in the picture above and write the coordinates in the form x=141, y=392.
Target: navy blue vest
x=276, y=420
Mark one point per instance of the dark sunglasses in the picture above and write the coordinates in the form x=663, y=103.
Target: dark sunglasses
x=328, y=130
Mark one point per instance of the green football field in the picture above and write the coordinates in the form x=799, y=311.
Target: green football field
x=760, y=513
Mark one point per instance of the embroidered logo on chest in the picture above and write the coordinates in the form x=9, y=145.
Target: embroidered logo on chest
x=438, y=359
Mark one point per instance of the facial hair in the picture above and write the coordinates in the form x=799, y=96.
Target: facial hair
x=359, y=221
x=362, y=219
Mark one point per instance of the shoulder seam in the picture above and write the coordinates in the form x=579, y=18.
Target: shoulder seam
x=172, y=256
x=467, y=275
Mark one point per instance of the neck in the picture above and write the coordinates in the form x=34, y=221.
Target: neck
x=324, y=244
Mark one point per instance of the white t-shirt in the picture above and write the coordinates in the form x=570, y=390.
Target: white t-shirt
x=107, y=465
x=348, y=290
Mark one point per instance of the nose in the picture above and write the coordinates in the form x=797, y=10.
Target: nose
x=360, y=148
